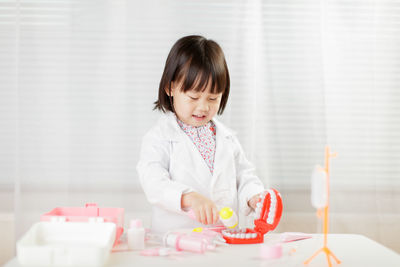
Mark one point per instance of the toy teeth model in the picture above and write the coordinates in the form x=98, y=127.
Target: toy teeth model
x=268, y=215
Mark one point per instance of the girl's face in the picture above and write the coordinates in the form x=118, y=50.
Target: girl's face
x=195, y=108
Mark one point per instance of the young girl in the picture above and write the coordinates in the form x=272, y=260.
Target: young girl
x=190, y=160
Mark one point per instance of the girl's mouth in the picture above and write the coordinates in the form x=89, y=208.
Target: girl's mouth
x=199, y=118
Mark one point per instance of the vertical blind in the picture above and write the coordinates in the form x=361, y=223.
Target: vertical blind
x=78, y=79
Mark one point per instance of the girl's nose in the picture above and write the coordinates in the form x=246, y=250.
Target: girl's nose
x=203, y=106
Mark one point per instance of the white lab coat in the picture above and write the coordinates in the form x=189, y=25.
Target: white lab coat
x=170, y=165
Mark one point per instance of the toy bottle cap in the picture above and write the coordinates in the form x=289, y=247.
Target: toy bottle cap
x=135, y=223
x=226, y=213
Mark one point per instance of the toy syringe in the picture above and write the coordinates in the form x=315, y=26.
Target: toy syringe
x=226, y=215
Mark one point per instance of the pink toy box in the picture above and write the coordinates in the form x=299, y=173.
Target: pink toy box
x=90, y=213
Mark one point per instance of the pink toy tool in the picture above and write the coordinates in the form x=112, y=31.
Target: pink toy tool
x=268, y=215
x=212, y=237
x=90, y=213
x=229, y=220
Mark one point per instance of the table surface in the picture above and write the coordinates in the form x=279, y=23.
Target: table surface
x=352, y=250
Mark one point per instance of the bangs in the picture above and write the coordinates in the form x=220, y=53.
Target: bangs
x=198, y=72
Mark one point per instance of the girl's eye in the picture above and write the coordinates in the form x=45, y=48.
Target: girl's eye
x=213, y=99
x=194, y=98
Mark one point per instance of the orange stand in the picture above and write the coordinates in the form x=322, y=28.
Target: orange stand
x=325, y=248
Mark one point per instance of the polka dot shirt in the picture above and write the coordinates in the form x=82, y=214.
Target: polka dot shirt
x=204, y=138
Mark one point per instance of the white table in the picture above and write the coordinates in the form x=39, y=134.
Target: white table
x=352, y=250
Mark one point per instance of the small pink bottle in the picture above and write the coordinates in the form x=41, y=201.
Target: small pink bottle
x=136, y=235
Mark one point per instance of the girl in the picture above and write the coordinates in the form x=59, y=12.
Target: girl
x=190, y=160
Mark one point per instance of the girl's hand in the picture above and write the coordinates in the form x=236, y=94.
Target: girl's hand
x=253, y=201
x=204, y=209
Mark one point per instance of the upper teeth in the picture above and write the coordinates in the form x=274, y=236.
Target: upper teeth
x=272, y=209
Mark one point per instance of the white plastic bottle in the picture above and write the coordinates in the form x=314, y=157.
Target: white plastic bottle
x=319, y=190
x=228, y=217
x=136, y=235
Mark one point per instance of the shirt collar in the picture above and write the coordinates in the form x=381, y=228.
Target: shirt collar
x=189, y=127
x=172, y=131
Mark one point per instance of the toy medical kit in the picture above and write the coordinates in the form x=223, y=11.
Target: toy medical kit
x=267, y=216
x=184, y=242
x=228, y=217
x=90, y=213
x=293, y=236
x=59, y=243
x=270, y=251
x=158, y=252
x=209, y=232
x=319, y=194
x=320, y=199
x=72, y=236
x=217, y=228
x=211, y=237
x=181, y=241
x=135, y=235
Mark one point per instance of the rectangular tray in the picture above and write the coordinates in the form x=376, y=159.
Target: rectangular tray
x=90, y=213
x=66, y=244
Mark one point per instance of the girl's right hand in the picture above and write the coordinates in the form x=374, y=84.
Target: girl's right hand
x=204, y=209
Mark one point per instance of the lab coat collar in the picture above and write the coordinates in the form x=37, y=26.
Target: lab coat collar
x=172, y=131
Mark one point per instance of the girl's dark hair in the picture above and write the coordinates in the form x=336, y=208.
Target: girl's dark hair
x=194, y=61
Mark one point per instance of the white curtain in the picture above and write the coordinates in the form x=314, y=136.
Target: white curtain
x=78, y=80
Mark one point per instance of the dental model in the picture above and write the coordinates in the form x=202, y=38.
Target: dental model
x=267, y=216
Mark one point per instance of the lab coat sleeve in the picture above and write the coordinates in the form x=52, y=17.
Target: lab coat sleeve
x=154, y=176
x=247, y=181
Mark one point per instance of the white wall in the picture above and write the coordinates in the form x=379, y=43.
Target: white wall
x=7, y=223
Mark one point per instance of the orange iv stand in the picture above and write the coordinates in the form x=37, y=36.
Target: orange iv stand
x=325, y=248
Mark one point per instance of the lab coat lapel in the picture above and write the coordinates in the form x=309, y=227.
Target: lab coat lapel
x=188, y=151
x=222, y=154
x=203, y=174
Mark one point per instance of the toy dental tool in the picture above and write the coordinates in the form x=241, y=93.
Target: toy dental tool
x=212, y=237
x=227, y=216
x=294, y=236
x=320, y=200
x=268, y=215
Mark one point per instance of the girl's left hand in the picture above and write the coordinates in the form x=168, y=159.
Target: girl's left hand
x=253, y=201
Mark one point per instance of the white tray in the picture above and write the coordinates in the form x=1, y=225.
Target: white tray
x=66, y=244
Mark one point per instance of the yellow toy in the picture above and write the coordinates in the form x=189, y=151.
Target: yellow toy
x=228, y=217
x=323, y=202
